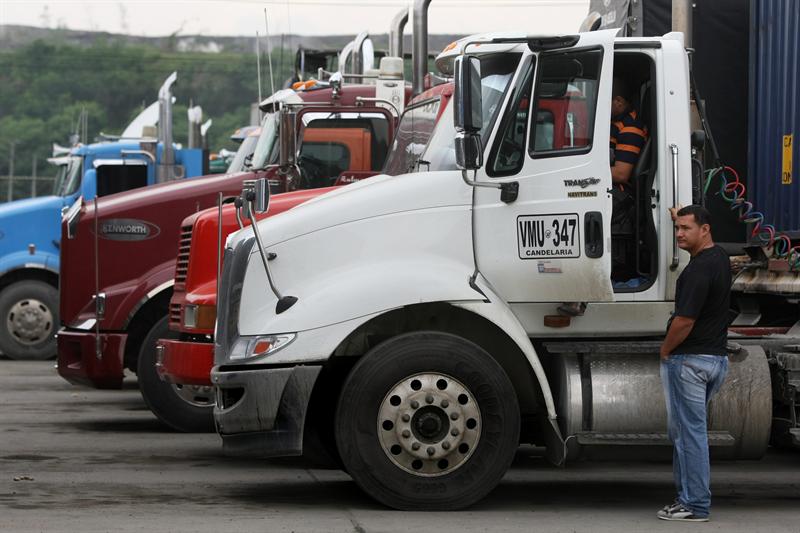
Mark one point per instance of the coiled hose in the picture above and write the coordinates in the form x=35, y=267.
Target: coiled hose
x=734, y=192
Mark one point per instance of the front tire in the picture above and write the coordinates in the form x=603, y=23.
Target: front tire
x=28, y=320
x=184, y=408
x=427, y=421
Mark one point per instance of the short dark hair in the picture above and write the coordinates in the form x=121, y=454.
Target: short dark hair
x=701, y=214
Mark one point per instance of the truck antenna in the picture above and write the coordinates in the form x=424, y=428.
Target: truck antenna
x=269, y=53
x=258, y=67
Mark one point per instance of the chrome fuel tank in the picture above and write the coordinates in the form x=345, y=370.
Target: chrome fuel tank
x=608, y=394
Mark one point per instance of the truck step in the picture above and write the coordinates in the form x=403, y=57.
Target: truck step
x=715, y=438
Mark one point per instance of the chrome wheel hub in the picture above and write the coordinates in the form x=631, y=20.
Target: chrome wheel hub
x=429, y=424
x=30, y=321
x=196, y=395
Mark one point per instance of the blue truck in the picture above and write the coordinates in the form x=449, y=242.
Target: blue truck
x=30, y=229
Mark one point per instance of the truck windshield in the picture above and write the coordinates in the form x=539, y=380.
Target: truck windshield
x=265, y=151
x=68, y=178
x=246, y=149
x=413, y=148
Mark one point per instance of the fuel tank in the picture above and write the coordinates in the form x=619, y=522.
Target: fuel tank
x=608, y=396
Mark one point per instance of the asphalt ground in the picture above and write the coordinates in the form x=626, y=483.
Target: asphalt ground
x=75, y=459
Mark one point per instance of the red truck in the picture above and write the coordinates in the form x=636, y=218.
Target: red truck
x=118, y=253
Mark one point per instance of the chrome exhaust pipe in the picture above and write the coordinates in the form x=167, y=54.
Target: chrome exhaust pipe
x=396, y=33
x=420, y=50
x=682, y=20
x=166, y=167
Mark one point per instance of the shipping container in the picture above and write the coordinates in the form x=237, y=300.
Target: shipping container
x=774, y=112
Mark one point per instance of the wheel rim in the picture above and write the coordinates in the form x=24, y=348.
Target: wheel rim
x=30, y=321
x=196, y=395
x=429, y=424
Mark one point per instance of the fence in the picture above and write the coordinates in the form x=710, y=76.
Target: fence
x=20, y=187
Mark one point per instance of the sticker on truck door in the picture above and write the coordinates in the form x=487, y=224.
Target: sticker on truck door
x=546, y=236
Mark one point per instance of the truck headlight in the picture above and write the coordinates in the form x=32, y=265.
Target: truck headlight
x=199, y=316
x=265, y=345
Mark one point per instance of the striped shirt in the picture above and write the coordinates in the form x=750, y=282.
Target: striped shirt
x=628, y=135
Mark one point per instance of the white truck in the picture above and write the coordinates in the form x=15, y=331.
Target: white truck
x=415, y=321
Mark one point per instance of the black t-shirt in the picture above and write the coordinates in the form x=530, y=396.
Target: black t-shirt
x=703, y=293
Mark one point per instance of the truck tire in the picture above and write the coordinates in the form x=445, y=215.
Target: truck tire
x=427, y=421
x=183, y=408
x=29, y=315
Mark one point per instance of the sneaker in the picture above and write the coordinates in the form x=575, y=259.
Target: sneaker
x=671, y=506
x=678, y=512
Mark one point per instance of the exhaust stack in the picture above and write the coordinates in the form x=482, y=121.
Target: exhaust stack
x=195, y=115
x=682, y=20
x=165, y=171
x=396, y=33
x=420, y=50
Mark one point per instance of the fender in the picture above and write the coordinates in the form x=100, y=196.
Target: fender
x=495, y=310
x=23, y=260
x=139, y=292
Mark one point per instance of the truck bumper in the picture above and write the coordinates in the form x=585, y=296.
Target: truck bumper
x=79, y=363
x=262, y=412
x=185, y=363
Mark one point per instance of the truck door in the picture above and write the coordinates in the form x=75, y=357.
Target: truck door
x=551, y=243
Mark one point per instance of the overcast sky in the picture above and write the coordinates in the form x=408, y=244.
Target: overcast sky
x=305, y=17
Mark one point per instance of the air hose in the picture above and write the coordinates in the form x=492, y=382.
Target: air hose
x=734, y=192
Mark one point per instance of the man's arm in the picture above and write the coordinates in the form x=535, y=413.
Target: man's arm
x=679, y=329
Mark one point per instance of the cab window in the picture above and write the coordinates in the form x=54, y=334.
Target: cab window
x=565, y=100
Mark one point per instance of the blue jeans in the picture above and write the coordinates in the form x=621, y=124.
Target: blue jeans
x=689, y=383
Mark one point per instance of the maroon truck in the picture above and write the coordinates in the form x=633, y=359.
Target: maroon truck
x=118, y=256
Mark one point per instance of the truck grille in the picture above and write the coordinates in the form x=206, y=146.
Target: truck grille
x=175, y=316
x=184, y=245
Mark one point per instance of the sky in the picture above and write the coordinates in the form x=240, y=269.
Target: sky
x=304, y=17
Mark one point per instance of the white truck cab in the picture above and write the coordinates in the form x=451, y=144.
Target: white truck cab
x=412, y=322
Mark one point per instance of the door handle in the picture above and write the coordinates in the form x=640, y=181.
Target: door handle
x=593, y=229
x=674, y=149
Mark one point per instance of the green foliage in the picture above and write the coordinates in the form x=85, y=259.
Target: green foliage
x=44, y=87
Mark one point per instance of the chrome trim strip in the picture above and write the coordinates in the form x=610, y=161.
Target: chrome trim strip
x=147, y=297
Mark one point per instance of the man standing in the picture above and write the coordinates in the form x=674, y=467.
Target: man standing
x=694, y=361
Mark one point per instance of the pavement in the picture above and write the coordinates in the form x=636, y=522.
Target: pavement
x=81, y=460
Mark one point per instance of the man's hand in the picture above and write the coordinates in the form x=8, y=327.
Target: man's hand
x=679, y=329
x=673, y=212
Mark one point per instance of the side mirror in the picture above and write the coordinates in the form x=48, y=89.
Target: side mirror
x=467, y=115
x=288, y=138
x=469, y=151
x=261, y=200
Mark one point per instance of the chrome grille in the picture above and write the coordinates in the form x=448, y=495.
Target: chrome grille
x=184, y=245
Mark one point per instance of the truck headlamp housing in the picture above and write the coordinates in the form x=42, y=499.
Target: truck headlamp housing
x=199, y=316
x=264, y=345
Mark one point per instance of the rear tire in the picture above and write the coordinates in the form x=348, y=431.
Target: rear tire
x=175, y=405
x=427, y=421
x=29, y=320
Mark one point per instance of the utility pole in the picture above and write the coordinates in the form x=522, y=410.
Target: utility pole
x=33, y=178
x=11, y=171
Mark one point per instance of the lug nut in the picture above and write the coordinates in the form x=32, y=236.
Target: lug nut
x=453, y=416
x=445, y=404
x=415, y=446
x=406, y=417
x=446, y=445
x=429, y=398
x=431, y=450
x=406, y=433
x=454, y=432
x=414, y=404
